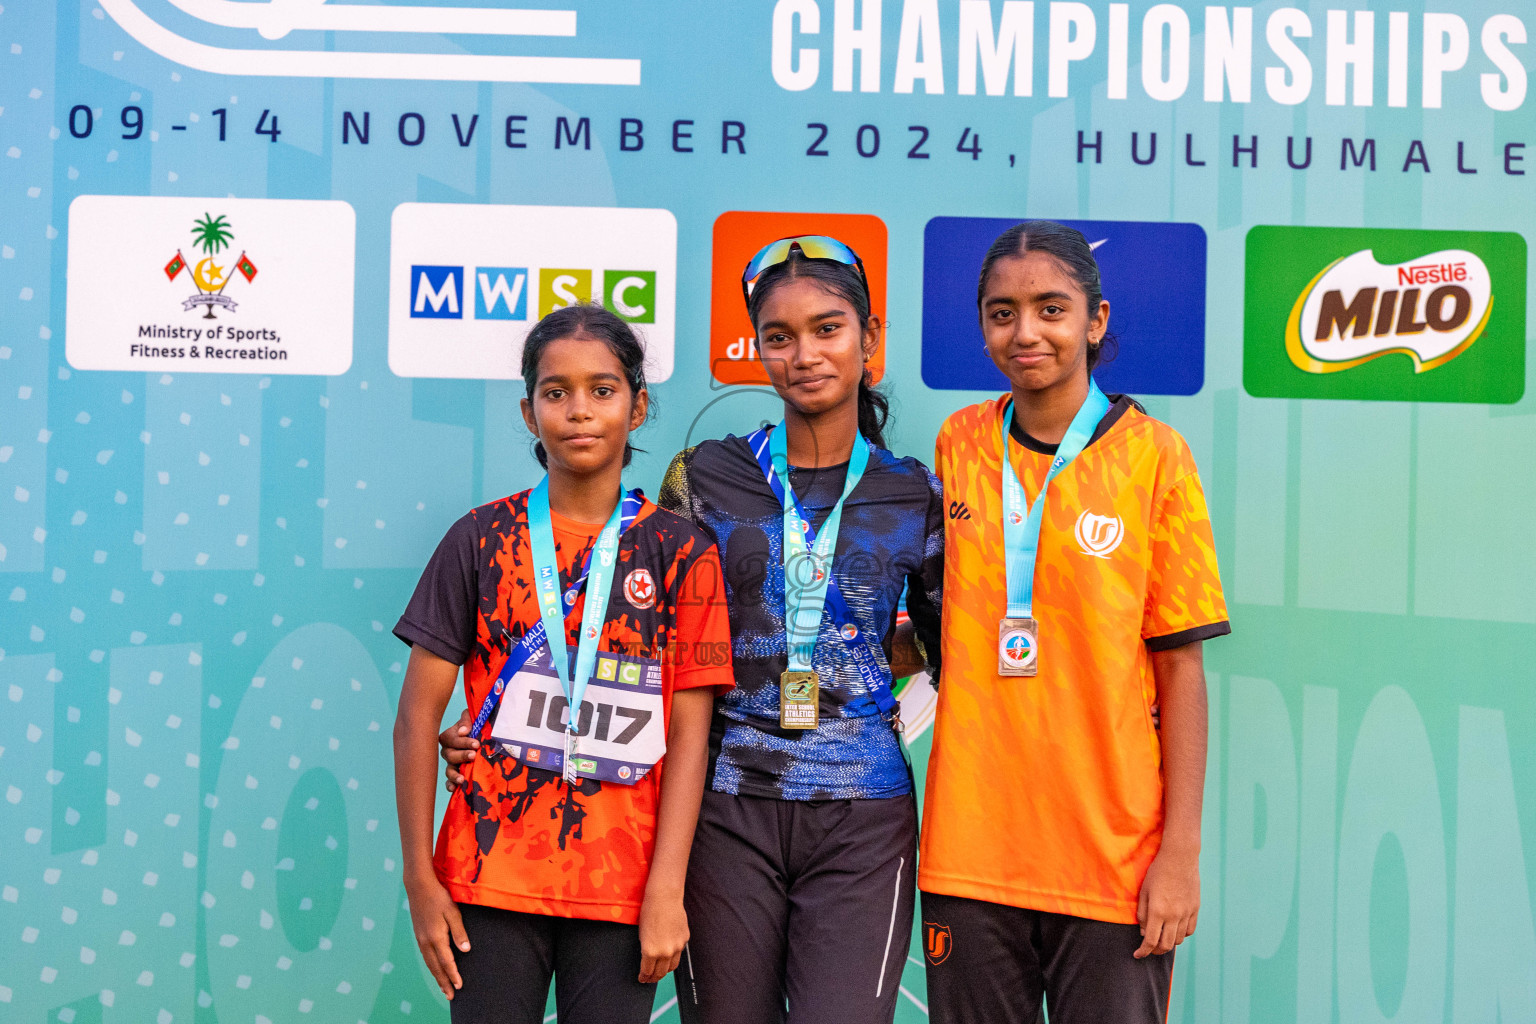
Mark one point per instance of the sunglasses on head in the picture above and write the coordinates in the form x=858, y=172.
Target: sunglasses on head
x=815, y=247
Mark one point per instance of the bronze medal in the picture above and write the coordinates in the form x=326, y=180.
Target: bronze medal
x=1018, y=647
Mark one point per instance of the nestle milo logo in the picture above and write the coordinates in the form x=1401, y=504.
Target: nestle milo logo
x=1357, y=309
x=1387, y=314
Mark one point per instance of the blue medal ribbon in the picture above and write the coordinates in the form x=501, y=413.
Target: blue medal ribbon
x=1021, y=520
x=554, y=606
x=803, y=613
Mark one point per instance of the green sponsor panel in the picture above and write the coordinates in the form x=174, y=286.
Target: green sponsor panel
x=1422, y=323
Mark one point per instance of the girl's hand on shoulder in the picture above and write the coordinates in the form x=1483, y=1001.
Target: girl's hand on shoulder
x=906, y=659
x=663, y=934
x=439, y=930
x=457, y=747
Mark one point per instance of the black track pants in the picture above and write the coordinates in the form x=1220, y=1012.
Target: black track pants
x=804, y=903
x=992, y=964
x=506, y=972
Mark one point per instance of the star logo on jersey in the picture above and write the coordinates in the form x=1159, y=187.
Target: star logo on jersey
x=1098, y=535
x=938, y=941
x=640, y=588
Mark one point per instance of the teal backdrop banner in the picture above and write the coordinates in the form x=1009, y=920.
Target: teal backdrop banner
x=265, y=271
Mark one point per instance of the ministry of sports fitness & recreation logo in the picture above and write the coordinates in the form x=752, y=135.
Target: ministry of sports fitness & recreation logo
x=212, y=235
x=129, y=307
x=1395, y=315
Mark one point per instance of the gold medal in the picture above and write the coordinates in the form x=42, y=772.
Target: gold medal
x=799, y=700
x=1018, y=647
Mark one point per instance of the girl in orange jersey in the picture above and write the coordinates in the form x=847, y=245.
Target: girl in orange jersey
x=563, y=853
x=1061, y=831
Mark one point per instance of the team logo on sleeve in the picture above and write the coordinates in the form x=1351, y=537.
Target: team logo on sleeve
x=1099, y=535
x=937, y=942
x=640, y=588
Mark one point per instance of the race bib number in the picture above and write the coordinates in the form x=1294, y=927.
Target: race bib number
x=620, y=732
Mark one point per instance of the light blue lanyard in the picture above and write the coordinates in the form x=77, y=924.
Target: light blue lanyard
x=599, y=581
x=806, y=574
x=1021, y=521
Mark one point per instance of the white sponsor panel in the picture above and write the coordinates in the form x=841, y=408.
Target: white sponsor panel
x=468, y=282
x=196, y=285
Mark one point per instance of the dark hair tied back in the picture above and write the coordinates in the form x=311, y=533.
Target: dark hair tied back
x=1067, y=247
x=846, y=282
x=586, y=320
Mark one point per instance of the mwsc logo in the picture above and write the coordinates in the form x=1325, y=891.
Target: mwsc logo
x=467, y=282
x=1384, y=314
x=501, y=293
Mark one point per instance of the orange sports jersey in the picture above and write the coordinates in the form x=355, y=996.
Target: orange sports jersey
x=519, y=837
x=1046, y=792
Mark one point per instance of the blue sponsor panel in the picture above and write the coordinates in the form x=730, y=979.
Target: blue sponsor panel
x=1153, y=276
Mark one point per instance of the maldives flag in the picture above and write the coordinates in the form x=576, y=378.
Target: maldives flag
x=246, y=267
x=176, y=266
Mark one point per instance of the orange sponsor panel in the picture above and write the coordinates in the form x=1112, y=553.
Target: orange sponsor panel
x=739, y=234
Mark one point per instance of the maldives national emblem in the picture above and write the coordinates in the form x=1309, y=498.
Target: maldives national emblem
x=211, y=234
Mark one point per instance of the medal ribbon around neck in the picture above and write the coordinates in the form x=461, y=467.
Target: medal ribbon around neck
x=597, y=578
x=805, y=599
x=1021, y=520
x=876, y=680
x=537, y=636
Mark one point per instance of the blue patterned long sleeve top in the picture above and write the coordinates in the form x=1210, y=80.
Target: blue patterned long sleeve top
x=891, y=540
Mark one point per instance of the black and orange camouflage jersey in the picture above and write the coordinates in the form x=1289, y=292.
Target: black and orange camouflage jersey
x=1046, y=792
x=524, y=839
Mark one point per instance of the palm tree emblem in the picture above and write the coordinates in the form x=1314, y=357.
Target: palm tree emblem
x=211, y=234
